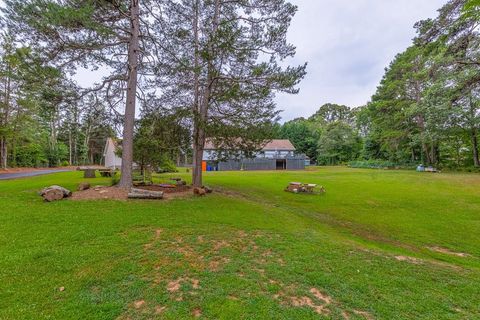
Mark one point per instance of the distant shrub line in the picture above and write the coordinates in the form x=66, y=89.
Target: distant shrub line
x=380, y=164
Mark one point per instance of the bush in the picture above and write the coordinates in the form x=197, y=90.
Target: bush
x=380, y=164
x=469, y=169
x=65, y=163
x=57, y=155
x=115, y=180
x=31, y=155
x=168, y=165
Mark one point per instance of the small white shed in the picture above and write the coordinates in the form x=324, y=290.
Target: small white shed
x=111, y=160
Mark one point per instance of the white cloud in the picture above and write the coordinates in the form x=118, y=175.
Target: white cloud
x=348, y=44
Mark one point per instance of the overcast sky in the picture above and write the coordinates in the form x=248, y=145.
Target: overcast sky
x=348, y=44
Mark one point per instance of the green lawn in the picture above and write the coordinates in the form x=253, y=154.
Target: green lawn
x=367, y=249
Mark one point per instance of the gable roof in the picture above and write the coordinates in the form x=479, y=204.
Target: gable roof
x=272, y=145
x=281, y=145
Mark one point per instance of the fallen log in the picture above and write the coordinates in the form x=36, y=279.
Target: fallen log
x=144, y=191
x=145, y=194
x=54, y=193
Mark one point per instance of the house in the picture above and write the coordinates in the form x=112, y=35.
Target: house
x=274, y=155
x=111, y=160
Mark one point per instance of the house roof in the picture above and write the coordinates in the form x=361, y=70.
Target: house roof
x=272, y=145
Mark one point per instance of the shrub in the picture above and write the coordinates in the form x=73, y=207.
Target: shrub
x=168, y=165
x=31, y=155
x=115, y=180
x=380, y=164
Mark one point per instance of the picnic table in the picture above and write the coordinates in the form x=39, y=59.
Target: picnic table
x=299, y=187
x=89, y=172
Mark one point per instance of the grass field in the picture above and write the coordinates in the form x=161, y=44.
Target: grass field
x=377, y=245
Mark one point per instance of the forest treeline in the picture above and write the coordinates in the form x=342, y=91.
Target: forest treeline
x=211, y=69
x=426, y=109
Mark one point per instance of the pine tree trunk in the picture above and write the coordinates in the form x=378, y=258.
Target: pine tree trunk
x=129, y=122
x=3, y=153
x=476, y=158
x=4, y=122
x=201, y=105
x=197, y=143
x=474, y=133
x=70, y=154
x=197, y=180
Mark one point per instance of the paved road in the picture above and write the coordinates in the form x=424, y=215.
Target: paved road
x=26, y=174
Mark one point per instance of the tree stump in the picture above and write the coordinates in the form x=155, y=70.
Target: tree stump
x=208, y=189
x=83, y=186
x=199, y=191
x=89, y=173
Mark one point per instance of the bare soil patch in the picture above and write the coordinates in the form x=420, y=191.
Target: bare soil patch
x=411, y=260
x=449, y=252
x=197, y=313
x=139, y=304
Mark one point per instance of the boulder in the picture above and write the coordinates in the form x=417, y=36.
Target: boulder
x=83, y=186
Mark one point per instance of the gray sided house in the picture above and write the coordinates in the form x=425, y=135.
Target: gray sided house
x=275, y=155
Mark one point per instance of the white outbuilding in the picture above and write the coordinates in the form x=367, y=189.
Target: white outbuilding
x=111, y=160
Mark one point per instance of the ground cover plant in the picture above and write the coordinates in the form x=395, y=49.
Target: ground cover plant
x=378, y=245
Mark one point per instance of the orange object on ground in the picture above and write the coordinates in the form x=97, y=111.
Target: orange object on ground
x=204, y=165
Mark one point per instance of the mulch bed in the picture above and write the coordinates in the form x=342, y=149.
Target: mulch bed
x=114, y=193
x=97, y=193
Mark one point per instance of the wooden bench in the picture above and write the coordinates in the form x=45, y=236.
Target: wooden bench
x=107, y=172
x=142, y=177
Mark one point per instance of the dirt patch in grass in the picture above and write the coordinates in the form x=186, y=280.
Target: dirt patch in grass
x=138, y=304
x=101, y=192
x=449, y=252
x=175, y=285
x=197, y=313
x=411, y=260
x=159, y=309
x=315, y=299
x=180, y=267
